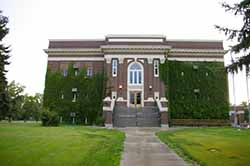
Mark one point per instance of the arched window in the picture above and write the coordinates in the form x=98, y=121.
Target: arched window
x=135, y=74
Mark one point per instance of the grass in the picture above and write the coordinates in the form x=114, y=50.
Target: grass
x=210, y=146
x=31, y=144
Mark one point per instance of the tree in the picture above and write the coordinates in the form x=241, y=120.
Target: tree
x=32, y=107
x=242, y=35
x=4, y=56
x=16, y=99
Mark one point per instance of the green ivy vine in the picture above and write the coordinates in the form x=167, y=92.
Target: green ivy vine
x=58, y=95
x=196, y=90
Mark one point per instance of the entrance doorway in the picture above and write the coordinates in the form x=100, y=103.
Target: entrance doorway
x=135, y=98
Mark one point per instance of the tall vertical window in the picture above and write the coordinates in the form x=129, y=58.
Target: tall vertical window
x=76, y=71
x=65, y=72
x=156, y=68
x=74, y=93
x=89, y=72
x=114, y=67
x=135, y=74
x=74, y=96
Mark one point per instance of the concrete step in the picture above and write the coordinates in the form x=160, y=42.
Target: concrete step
x=132, y=117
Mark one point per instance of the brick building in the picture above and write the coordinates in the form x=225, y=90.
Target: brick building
x=137, y=95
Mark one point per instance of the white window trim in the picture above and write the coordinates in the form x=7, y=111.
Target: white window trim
x=74, y=97
x=89, y=72
x=156, y=66
x=114, y=67
x=76, y=71
x=65, y=72
x=137, y=71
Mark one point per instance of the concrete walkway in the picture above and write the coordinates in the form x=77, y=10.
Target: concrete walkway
x=143, y=148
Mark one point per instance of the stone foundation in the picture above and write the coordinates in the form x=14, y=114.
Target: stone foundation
x=108, y=117
x=164, y=118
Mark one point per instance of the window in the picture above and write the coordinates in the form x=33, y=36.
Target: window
x=74, y=93
x=89, y=72
x=76, y=71
x=74, y=97
x=62, y=96
x=156, y=68
x=65, y=72
x=135, y=74
x=114, y=67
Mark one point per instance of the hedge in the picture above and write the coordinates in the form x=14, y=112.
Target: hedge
x=58, y=95
x=196, y=90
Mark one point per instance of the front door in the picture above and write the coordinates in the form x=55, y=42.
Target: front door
x=135, y=99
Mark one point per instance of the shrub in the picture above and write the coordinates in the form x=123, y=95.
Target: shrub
x=49, y=118
x=99, y=121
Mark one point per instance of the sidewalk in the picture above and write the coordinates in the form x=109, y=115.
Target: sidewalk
x=143, y=148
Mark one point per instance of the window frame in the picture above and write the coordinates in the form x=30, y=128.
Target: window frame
x=76, y=71
x=114, y=66
x=65, y=73
x=156, y=64
x=89, y=72
x=135, y=75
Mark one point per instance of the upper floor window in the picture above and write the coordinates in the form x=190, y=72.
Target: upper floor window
x=89, y=72
x=114, y=67
x=65, y=72
x=135, y=74
x=156, y=68
x=76, y=69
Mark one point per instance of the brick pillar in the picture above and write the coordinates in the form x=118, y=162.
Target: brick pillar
x=108, y=117
x=164, y=119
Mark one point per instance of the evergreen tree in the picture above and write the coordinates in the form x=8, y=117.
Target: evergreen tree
x=242, y=35
x=4, y=56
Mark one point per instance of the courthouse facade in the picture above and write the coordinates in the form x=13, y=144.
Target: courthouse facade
x=131, y=63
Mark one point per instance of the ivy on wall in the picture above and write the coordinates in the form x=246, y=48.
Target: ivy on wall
x=196, y=90
x=59, y=89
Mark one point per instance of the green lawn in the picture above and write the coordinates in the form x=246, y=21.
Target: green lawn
x=31, y=144
x=210, y=146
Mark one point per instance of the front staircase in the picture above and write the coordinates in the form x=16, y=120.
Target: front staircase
x=131, y=117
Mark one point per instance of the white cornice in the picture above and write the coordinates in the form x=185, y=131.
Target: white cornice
x=198, y=59
x=75, y=51
x=72, y=50
x=75, y=59
x=134, y=36
x=212, y=51
x=62, y=40
x=135, y=47
x=193, y=40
